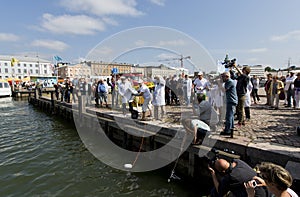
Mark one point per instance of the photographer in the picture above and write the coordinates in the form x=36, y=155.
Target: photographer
x=234, y=175
x=241, y=89
x=277, y=180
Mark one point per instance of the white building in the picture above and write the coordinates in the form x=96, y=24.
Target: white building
x=24, y=67
x=162, y=70
x=258, y=70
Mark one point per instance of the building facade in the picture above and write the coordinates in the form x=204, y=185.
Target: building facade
x=82, y=70
x=23, y=67
x=105, y=69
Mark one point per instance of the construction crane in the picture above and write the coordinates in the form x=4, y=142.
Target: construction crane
x=181, y=58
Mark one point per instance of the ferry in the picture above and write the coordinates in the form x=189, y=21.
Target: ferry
x=5, y=89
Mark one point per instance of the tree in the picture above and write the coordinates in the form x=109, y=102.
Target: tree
x=268, y=69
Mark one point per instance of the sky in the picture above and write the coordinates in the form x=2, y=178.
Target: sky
x=154, y=31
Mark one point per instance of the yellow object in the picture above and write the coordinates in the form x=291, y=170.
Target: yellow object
x=13, y=61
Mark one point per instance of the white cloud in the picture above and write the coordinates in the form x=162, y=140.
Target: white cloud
x=258, y=50
x=158, y=2
x=165, y=56
x=8, y=37
x=172, y=43
x=110, y=21
x=293, y=35
x=67, y=24
x=101, y=7
x=140, y=43
x=50, y=44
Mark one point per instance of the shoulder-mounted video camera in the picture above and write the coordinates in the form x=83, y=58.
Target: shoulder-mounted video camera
x=227, y=62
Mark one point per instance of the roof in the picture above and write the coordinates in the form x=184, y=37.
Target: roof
x=23, y=58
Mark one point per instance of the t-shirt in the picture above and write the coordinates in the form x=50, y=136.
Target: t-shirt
x=231, y=95
x=146, y=92
x=291, y=192
x=242, y=83
x=203, y=83
x=234, y=181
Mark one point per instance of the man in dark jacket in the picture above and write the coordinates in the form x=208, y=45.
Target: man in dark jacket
x=234, y=175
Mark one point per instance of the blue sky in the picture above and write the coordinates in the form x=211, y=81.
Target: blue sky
x=255, y=32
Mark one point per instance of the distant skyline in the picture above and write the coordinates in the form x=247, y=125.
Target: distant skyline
x=254, y=32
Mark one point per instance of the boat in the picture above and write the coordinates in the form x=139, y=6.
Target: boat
x=5, y=89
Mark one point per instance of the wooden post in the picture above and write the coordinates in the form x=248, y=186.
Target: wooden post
x=52, y=101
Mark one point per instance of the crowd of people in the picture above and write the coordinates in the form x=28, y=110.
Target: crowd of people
x=216, y=101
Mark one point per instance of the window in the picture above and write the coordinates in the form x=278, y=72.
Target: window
x=19, y=64
x=5, y=63
x=30, y=65
x=24, y=65
x=19, y=71
x=36, y=71
x=25, y=71
x=6, y=85
x=1, y=85
x=45, y=66
x=6, y=70
x=36, y=65
x=31, y=71
x=45, y=71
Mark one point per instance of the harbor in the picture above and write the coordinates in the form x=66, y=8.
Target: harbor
x=262, y=139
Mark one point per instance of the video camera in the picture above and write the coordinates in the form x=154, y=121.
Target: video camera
x=228, y=63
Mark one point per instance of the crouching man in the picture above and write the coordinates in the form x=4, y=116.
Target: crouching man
x=233, y=176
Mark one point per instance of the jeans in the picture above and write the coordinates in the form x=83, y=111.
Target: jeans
x=290, y=98
x=229, y=118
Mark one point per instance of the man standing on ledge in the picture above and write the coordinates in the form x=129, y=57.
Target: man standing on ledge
x=231, y=102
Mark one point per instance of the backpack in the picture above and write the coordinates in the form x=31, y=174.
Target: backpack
x=102, y=88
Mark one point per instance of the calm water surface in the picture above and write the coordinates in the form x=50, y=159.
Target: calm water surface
x=41, y=155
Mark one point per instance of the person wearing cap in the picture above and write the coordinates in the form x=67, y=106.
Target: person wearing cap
x=200, y=85
x=145, y=93
x=297, y=91
x=289, y=88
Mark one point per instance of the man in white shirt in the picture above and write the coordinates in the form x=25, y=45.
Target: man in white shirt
x=289, y=88
x=187, y=89
x=200, y=85
x=159, y=98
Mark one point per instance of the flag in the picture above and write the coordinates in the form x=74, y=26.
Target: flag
x=57, y=58
x=13, y=61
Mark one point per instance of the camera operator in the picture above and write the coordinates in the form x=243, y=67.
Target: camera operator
x=241, y=89
x=234, y=175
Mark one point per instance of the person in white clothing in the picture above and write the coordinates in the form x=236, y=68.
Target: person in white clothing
x=248, y=101
x=289, y=88
x=125, y=93
x=145, y=92
x=200, y=85
x=159, y=98
x=187, y=89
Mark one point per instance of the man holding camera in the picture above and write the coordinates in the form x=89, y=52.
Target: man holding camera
x=234, y=174
x=241, y=89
